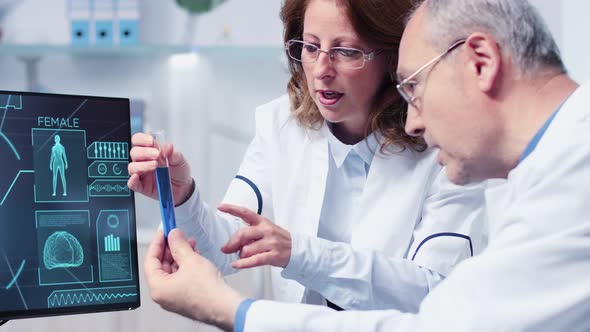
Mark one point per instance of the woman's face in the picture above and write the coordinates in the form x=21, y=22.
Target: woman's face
x=343, y=96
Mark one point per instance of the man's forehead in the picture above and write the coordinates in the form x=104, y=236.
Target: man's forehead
x=413, y=46
x=409, y=59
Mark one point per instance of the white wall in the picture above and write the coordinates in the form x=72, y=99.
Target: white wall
x=568, y=21
x=576, y=28
x=551, y=10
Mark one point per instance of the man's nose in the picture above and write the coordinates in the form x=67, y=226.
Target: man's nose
x=414, y=124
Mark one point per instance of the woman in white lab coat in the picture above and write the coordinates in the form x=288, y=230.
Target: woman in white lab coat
x=345, y=207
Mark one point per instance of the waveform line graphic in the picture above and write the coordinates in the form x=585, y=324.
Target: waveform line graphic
x=62, y=300
x=91, y=296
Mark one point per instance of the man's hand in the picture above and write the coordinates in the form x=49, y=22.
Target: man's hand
x=262, y=243
x=186, y=283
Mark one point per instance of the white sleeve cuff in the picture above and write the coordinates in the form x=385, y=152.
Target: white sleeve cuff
x=186, y=211
x=189, y=217
x=304, y=264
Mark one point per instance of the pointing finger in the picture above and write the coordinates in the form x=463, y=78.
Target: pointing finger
x=241, y=238
x=249, y=216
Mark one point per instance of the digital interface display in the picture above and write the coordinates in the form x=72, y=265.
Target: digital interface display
x=67, y=218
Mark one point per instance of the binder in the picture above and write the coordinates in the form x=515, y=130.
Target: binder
x=79, y=12
x=103, y=11
x=127, y=18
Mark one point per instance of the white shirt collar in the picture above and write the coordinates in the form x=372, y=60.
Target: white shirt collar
x=339, y=151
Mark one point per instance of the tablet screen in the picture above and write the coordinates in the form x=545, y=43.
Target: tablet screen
x=67, y=218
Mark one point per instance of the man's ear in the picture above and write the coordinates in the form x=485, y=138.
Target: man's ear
x=484, y=60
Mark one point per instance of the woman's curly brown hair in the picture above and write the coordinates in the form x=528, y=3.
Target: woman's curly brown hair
x=380, y=23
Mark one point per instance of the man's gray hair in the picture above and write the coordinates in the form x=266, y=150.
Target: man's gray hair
x=516, y=24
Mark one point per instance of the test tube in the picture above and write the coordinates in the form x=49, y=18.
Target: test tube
x=164, y=185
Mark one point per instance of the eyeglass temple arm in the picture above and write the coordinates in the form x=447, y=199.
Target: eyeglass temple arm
x=452, y=47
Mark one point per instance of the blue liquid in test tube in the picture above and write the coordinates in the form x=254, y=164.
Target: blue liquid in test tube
x=166, y=199
x=164, y=188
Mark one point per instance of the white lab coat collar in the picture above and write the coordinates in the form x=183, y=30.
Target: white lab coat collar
x=565, y=118
x=339, y=151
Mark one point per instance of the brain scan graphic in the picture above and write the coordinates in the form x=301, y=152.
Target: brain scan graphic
x=62, y=250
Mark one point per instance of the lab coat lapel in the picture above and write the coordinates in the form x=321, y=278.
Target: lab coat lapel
x=302, y=192
x=317, y=155
x=388, y=207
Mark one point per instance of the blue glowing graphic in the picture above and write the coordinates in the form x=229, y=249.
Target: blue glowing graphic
x=14, y=278
x=114, y=247
x=15, y=103
x=62, y=300
x=20, y=269
x=108, y=151
x=109, y=188
x=12, y=101
x=89, y=296
x=13, y=182
x=113, y=221
x=108, y=169
x=112, y=243
x=67, y=220
x=59, y=164
x=62, y=250
x=10, y=145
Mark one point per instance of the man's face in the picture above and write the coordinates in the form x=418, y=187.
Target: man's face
x=447, y=110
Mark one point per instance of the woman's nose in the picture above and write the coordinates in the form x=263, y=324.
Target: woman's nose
x=323, y=67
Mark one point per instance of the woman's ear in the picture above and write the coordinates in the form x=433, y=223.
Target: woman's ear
x=484, y=60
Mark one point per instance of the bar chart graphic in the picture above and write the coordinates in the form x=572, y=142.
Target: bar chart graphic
x=112, y=243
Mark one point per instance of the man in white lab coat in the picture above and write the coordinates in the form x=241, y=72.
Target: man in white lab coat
x=486, y=85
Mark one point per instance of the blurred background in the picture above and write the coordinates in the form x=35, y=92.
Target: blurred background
x=195, y=68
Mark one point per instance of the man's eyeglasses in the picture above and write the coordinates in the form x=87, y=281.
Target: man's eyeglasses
x=340, y=57
x=407, y=87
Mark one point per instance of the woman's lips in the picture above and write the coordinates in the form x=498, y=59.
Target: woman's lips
x=329, y=97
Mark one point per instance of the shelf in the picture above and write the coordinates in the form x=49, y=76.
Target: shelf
x=239, y=50
x=31, y=54
x=39, y=51
x=32, y=51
